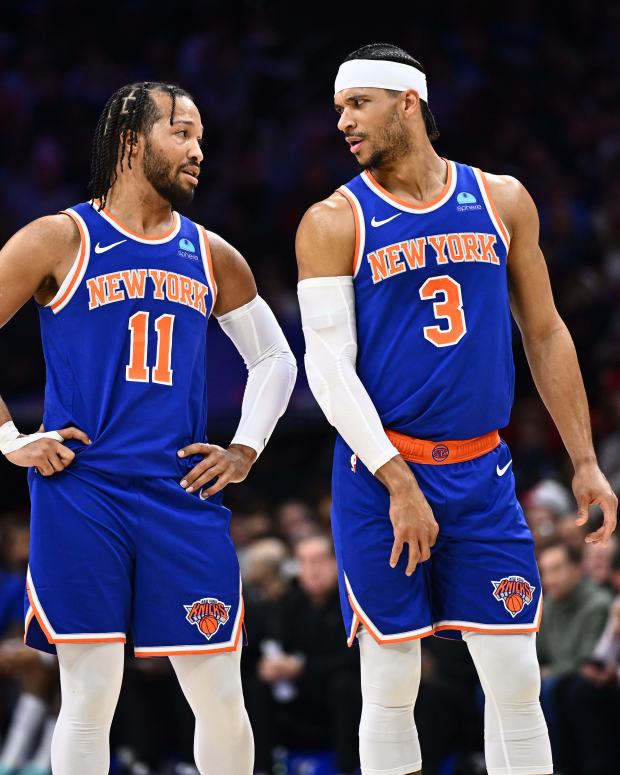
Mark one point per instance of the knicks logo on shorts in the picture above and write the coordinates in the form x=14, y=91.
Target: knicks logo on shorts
x=208, y=614
x=514, y=592
x=440, y=453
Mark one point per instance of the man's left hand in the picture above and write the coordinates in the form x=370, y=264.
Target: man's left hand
x=228, y=465
x=590, y=487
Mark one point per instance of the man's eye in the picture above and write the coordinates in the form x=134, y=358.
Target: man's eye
x=182, y=132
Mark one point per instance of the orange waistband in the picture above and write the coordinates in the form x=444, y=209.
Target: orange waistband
x=437, y=453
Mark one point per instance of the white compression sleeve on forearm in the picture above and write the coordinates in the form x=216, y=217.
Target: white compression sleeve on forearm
x=272, y=370
x=328, y=318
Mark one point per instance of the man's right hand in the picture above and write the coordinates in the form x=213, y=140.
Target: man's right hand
x=414, y=524
x=411, y=515
x=47, y=455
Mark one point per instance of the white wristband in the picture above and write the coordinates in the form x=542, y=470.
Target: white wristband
x=11, y=439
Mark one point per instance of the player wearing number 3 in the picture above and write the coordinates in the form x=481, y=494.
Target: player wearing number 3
x=128, y=526
x=408, y=276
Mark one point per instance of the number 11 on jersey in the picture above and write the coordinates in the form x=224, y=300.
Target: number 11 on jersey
x=138, y=370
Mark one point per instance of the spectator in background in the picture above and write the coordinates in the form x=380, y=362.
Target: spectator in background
x=591, y=716
x=27, y=676
x=306, y=694
x=264, y=586
x=574, y=615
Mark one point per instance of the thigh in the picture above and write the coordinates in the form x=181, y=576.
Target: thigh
x=81, y=559
x=187, y=593
x=390, y=605
x=484, y=572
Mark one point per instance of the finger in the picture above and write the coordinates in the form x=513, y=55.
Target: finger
x=44, y=468
x=199, y=471
x=583, y=501
x=197, y=449
x=65, y=454
x=397, y=548
x=208, y=476
x=56, y=463
x=425, y=551
x=219, y=485
x=434, y=534
x=610, y=509
x=74, y=433
x=414, y=558
x=596, y=536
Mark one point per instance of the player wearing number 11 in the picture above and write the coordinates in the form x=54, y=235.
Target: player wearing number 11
x=128, y=527
x=408, y=276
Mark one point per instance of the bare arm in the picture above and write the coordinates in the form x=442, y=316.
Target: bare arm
x=550, y=350
x=33, y=263
x=325, y=246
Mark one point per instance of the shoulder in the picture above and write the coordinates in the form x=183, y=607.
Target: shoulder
x=233, y=276
x=51, y=232
x=325, y=241
x=513, y=202
x=331, y=218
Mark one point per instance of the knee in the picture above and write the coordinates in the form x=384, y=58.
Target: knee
x=390, y=674
x=508, y=667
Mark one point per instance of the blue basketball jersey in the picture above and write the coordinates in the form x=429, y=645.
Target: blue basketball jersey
x=125, y=344
x=433, y=315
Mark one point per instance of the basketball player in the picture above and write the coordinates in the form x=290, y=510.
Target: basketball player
x=128, y=526
x=408, y=275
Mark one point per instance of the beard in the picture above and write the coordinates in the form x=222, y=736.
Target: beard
x=392, y=144
x=161, y=175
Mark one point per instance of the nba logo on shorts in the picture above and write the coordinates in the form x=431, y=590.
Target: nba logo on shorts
x=208, y=614
x=354, y=463
x=514, y=592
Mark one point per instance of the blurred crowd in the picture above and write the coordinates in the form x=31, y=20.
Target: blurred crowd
x=516, y=89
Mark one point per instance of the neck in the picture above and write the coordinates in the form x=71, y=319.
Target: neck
x=418, y=177
x=136, y=204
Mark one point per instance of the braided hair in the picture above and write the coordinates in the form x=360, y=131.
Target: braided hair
x=392, y=53
x=129, y=111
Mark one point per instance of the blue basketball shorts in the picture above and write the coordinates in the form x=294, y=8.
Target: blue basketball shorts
x=482, y=575
x=112, y=554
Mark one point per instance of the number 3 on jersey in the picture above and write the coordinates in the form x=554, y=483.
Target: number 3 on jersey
x=451, y=309
x=137, y=370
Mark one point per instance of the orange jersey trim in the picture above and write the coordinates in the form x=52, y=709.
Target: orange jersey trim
x=442, y=452
x=52, y=639
x=358, y=228
x=361, y=620
x=80, y=263
x=210, y=264
x=412, y=205
x=500, y=223
x=122, y=226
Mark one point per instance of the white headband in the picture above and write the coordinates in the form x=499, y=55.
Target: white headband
x=380, y=74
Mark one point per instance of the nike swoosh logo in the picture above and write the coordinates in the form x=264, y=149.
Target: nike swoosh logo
x=375, y=222
x=99, y=249
x=502, y=471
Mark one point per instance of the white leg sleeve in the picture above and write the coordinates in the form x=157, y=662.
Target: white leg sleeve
x=515, y=732
x=223, y=743
x=90, y=682
x=390, y=682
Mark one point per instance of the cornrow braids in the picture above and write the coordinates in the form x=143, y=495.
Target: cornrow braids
x=129, y=111
x=392, y=53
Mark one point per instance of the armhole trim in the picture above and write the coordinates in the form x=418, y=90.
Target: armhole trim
x=207, y=262
x=500, y=226
x=75, y=274
x=360, y=228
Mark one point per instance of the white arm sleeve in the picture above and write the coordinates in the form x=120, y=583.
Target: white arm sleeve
x=328, y=319
x=272, y=370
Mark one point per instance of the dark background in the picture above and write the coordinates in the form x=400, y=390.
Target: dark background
x=522, y=88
